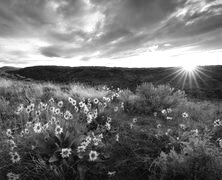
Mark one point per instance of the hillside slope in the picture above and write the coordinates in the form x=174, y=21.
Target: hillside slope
x=208, y=82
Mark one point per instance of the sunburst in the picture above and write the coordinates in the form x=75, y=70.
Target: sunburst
x=189, y=67
x=188, y=76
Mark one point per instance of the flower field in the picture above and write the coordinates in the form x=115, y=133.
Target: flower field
x=54, y=131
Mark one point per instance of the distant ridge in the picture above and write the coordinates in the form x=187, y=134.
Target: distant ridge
x=209, y=82
x=8, y=68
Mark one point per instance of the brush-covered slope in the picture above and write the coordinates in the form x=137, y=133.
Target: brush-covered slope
x=207, y=83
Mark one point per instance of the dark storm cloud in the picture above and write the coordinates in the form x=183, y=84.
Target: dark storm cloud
x=115, y=28
x=53, y=51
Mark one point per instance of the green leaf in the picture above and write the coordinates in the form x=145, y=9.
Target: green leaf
x=67, y=135
x=82, y=171
x=53, y=159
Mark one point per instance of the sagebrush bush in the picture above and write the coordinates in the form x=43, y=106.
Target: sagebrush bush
x=198, y=159
x=151, y=99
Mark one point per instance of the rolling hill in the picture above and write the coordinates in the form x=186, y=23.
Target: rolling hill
x=205, y=84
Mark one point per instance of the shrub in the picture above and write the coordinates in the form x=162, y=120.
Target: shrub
x=198, y=159
x=149, y=99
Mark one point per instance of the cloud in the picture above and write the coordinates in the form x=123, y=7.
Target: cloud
x=51, y=51
x=117, y=29
x=194, y=18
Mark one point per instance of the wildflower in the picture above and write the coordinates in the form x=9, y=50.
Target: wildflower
x=93, y=155
x=37, y=128
x=57, y=111
x=122, y=105
x=111, y=173
x=116, y=109
x=81, y=104
x=134, y=120
x=100, y=105
x=108, y=126
x=21, y=107
x=108, y=99
x=51, y=100
x=28, y=124
x=66, y=115
x=76, y=109
x=12, y=176
x=73, y=102
x=70, y=116
x=12, y=144
x=66, y=152
x=22, y=133
x=26, y=131
x=95, y=114
x=38, y=113
x=117, y=137
x=168, y=131
x=9, y=133
x=15, y=157
x=88, y=139
x=131, y=125
x=159, y=126
x=96, y=141
x=28, y=110
x=58, y=130
x=32, y=106
x=169, y=118
x=89, y=106
x=100, y=136
x=169, y=110
x=43, y=106
x=60, y=104
x=85, y=143
x=185, y=115
x=217, y=122
x=89, y=119
x=53, y=119
x=109, y=119
x=86, y=110
x=17, y=112
x=164, y=112
x=83, y=99
x=95, y=101
x=155, y=114
x=81, y=149
x=70, y=99
x=52, y=109
x=195, y=132
x=182, y=126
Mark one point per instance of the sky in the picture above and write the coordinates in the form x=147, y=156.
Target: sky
x=123, y=33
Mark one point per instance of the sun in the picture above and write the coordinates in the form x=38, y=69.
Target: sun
x=189, y=67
